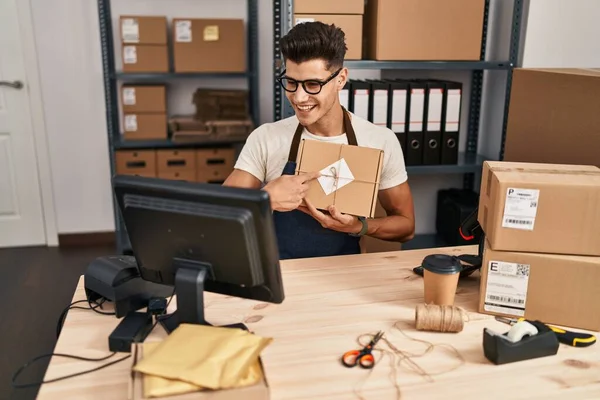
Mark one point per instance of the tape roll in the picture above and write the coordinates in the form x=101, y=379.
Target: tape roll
x=520, y=330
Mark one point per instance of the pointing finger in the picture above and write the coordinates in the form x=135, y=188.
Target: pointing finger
x=309, y=176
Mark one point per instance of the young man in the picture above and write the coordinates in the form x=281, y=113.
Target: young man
x=314, y=75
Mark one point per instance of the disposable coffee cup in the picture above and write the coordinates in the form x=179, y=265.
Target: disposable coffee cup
x=440, y=279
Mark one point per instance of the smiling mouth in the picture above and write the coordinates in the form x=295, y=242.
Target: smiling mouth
x=305, y=108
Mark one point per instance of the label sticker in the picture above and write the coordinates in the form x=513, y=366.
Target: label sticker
x=131, y=123
x=183, y=31
x=301, y=20
x=130, y=29
x=506, y=288
x=129, y=54
x=335, y=176
x=520, y=208
x=129, y=96
x=211, y=33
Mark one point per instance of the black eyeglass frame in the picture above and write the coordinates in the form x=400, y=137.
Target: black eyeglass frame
x=303, y=83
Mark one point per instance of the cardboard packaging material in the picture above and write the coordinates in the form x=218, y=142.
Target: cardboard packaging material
x=352, y=25
x=143, y=29
x=145, y=126
x=424, y=29
x=349, y=176
x=145, y=58
x=209, y=45
x=144, y=98
x=214, y=165
x=555, y=289
x=542, y=208
x=553, y=116
x=259, y=391
x=329, y=7
x=142, y=163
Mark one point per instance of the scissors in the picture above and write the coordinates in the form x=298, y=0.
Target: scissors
x=362, y=357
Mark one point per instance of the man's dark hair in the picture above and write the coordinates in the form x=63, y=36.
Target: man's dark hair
x=314, y=40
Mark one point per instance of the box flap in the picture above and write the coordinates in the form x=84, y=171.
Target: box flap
x=545, y=173
x=593, y=72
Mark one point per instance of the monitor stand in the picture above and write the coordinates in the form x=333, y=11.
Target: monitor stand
x=189, y=289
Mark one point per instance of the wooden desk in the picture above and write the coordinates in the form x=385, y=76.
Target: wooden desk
x=329, y=302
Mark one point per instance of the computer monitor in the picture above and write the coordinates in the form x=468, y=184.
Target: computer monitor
x=201, y=237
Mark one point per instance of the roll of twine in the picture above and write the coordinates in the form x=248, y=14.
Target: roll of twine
x=431, y=317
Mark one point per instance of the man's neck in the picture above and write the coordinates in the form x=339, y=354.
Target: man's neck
x=331, y=124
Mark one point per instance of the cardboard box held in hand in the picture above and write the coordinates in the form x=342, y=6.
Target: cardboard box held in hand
x=349, y=176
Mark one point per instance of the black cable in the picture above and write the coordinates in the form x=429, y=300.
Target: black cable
x=35, y=384
x=72, y=306
x=59, y=328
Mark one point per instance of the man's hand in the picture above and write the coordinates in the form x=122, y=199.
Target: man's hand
x=335, y=221
x=288, y=191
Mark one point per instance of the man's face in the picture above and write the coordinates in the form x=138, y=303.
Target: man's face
x=311, y=107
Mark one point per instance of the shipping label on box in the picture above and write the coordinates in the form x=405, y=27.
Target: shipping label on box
x=552, y=288
x=144, y=29
x=545, y=208
x=349, y=176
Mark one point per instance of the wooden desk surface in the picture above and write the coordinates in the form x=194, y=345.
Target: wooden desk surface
x=329, y=302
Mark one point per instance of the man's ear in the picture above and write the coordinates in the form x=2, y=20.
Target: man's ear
x=342, y=78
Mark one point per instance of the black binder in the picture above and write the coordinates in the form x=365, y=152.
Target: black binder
x=359, y=98
x=432, y=136
x=451, y=110
x=415, y=122
x=398, y=110
x=379, y=102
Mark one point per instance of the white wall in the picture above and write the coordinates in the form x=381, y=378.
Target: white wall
x=68, y=43
x=563, y=33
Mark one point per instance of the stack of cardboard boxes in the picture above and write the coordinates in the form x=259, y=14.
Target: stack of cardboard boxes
x=542, y=253
x=144, y=112
x=345, y=14
x=144, y=43
x=206, y=165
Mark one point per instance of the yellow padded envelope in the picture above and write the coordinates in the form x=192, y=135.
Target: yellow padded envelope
x=206, y=357
x=156, y=386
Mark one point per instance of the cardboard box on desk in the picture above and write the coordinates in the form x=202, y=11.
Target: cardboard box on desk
x=350, y=176
x=259, y=391
x=555, y=289
x=542, y=208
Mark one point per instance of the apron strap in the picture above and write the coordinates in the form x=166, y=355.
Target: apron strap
x=296, y=140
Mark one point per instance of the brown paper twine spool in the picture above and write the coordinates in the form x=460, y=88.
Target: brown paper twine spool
x=431, y=317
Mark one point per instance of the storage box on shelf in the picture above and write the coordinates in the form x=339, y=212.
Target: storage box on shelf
x=209, y=45
x=144, y=43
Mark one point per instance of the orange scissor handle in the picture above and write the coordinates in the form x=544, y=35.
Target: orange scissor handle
x=362, y=358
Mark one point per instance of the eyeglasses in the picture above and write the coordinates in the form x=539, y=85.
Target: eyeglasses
x=310, y=86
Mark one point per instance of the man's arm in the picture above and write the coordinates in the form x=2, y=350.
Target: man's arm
x=242, y=179
x=285, y=192
x=399, y=224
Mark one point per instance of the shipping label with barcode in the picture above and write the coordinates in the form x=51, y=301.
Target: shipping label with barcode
x=520, y=208
x=506, y=287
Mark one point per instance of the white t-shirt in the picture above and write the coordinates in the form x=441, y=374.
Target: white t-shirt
x=267, y=149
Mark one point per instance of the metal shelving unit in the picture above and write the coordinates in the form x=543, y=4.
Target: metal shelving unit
x=470, y=163
x=112, y=77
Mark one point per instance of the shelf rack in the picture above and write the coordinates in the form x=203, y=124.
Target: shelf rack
x=112, y=77
x=470, y=163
